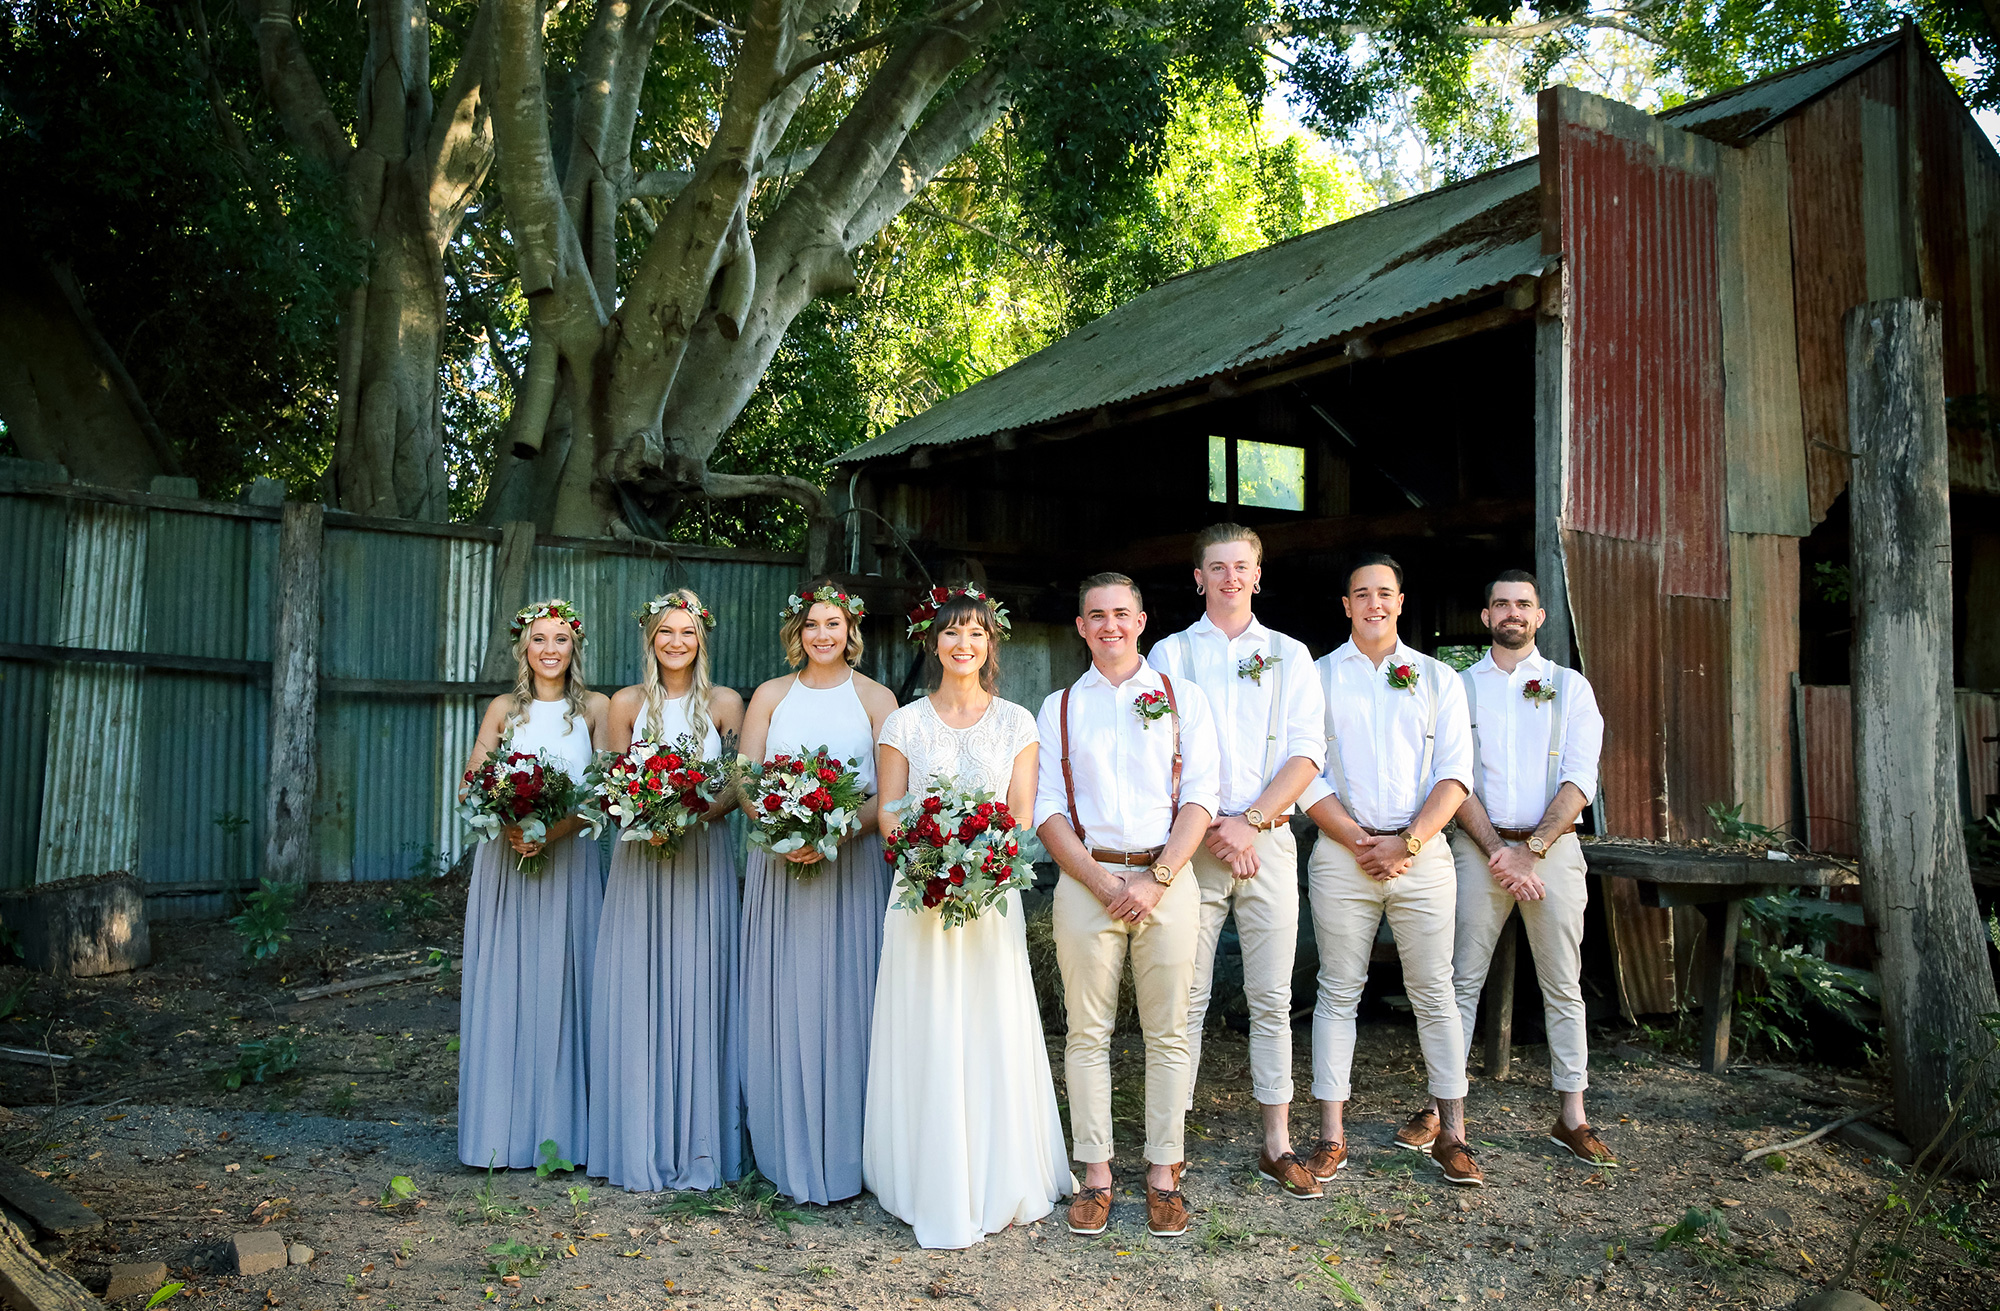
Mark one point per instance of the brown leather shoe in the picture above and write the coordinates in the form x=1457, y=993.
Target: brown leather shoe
x=1290, y=1174
x=1459, y=1168
x=1166, y=1213
x=1418, y=1132
x=1090, y=1211
x=1583, y=1143
x=1325, y=1158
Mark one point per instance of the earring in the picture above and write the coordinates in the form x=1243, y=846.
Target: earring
x=1256, y=588
x=1199, y=590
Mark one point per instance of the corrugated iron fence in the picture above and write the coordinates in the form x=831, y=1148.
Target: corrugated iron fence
x=135, y=676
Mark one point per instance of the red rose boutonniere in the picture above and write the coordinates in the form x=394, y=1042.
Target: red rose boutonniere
x=1402, y=677
x=1255, y=667
x=1150, y=706
x=1538, y=691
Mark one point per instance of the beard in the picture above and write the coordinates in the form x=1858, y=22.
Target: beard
x=1514, y=639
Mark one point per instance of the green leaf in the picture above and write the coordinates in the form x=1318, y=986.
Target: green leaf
x=166, y=1291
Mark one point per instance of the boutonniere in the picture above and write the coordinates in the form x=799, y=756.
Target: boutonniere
x=1253, y=668
x=1537, y=691
x=1150, y=706
x=1402, y=676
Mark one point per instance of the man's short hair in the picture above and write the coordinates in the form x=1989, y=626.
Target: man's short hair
x=1221, y=535
x=1107, y=579
x=1513, y=576
x=1382, y=558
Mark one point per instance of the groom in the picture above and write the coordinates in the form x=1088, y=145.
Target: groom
x=1127, y=786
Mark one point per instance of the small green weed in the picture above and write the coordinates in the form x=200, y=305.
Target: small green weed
x=822, y=1272
x=552, y=1161
x=267, y=913
x=341, y=1100
x=1692, y=1228
x=751, y=1198
x=414, y=904
x=515, y=1257
x=1353, y=1216
x=1729, y=822
x=402, y=1191
x=262, y=1061
x=165, y=1291
x=486, y=1205
x=1224, y=1230
x=1323, y=1267
x=579, y=1200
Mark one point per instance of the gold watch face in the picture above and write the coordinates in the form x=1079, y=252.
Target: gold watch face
x=1536, y=845
x=1255, y=817
x=1163, y=874
x=1411, y=841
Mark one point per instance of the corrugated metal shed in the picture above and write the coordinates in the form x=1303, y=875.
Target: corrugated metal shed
x=1743, y=112
x=1826, y=748
x=1763, y=655
x=1386, y=264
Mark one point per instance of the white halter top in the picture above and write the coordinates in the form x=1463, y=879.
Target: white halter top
x=832, y=717
x=674, y=726
x=546, y=734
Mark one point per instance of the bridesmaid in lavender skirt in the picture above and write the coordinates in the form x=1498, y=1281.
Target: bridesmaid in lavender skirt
x=666, y=1027
x=811, y=946
x=529, y=938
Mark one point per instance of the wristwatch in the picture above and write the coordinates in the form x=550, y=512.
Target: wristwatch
x=1539, y=847
x=1163, y=874
x=1255, y=819
x=1412, y=841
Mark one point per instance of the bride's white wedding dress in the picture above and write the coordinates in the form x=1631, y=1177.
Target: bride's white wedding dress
x=962, y=1136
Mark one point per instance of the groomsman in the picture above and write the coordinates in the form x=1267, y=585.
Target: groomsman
x=1126, y=790
x=1536, y=737
x=1270, y=727
x=1398, y=765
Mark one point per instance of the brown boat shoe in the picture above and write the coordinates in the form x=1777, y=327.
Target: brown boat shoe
x=1166, y=1212
x=1290, y=1174
x=1452, y=1156
x=1090, y=1211
x=1326, y=1158
x=1583, y=1143
x=1418, y=1132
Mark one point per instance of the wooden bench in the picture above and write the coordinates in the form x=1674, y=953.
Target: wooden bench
x=1714, y=883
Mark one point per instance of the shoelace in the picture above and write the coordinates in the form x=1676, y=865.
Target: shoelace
x=1086, y=1193
x=1322, y=1145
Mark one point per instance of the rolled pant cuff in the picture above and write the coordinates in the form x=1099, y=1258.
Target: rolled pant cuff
x=1279, y=1096
x=1580, y=1083
x=1331, y=1092
x=1156, y=1155
x=1091, y=1153
x=1450, y=1090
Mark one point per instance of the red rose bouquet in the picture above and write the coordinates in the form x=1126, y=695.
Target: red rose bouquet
x=514, y=788
x=808, y=800
x=958, y=852
x=656, y=793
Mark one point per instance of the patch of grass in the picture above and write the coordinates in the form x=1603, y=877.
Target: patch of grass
x=753, y=1198
x=1353, y=1216
x=1223, y=1229
x=1323, y=1269
x=826, y=1271
x=515, y=1257
x=486, y=1205
x=261, y=1061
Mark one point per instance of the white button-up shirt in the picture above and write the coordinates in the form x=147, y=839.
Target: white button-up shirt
x=1243, y=708
x=1122, y=764
x=1379, y=732
x=1514, y=735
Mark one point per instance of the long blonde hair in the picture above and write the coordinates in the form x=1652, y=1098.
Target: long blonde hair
x=656, y=692
x=574, y=687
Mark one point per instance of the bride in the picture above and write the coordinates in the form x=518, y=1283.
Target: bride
x=962, y=1136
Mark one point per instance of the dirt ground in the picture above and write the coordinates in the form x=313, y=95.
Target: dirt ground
x=139, y=1128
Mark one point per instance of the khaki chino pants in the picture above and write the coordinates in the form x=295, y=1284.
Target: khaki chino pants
x=1267, y=926
x=1347, y=906
x=1090, y=952
x=1554, y=927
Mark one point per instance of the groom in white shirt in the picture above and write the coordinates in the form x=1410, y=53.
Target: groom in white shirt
x=1398, y=764
x=1126, y=788
x=1270, y=729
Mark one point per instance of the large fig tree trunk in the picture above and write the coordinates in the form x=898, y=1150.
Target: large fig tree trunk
x=410, y=169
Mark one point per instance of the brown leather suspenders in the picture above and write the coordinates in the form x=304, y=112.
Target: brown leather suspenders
x=1069, y=778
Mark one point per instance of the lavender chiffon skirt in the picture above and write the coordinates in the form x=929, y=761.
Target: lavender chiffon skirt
x=810, y=954
x=666, y=1028
x=524, y=1004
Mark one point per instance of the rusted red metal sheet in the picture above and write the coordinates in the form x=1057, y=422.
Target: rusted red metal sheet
x=1638, y=235
x=1695, y=681
x=1829, y=275
x=1614, y=590
x=1826, y=741
x=1979, y=743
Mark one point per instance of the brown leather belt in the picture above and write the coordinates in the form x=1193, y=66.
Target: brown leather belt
x=1147, y=858
x=1515, y=834
x=1382, y=832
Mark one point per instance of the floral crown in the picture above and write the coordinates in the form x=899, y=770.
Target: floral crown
x=798, y=605
x=554, y=608
x=925, y=613
x=675, y=601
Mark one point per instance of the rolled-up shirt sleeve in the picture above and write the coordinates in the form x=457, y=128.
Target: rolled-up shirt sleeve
x=1583, y=737
x=1305, y=712
x=1201, y=753
x=1050, y=799
x=1451, y=755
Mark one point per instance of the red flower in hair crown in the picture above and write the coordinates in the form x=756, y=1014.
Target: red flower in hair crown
x=831, y=595
x=675, y=601
x=553, y=608
x=923, y=616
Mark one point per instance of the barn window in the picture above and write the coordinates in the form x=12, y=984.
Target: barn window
x=1267, y=476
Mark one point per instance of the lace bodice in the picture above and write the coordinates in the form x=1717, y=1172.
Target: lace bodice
x=981, y=756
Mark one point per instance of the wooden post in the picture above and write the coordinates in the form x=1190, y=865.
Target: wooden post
x=1715, y=984
x=1500, y=1000
x=1551, y=438
x=288, y=851
x=510, y=593
x=1915, y=885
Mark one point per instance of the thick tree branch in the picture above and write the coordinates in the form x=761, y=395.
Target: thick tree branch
x=114, y=369
x=233, y=139
x=466, y=292
x=289, y=80
x=670, y=182
x=460, y=148
x=944, y=13
x=945, y=134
